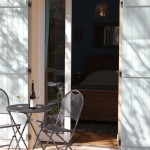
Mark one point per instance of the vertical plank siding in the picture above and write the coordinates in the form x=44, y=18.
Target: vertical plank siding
x=135, y=128
x=13, y=55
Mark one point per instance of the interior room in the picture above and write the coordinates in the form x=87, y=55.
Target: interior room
x=95, y=62
x=95, y=48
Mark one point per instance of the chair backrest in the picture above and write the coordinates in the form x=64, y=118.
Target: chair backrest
x=75, y=99
x=56, y=75
x=56, y=84
x=4, y=102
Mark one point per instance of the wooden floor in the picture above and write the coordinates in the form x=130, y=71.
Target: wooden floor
x=95, y=138
x=86, y=140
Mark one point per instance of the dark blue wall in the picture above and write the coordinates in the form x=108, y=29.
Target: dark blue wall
x=83, y=18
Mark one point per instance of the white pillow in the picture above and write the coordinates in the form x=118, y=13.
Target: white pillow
x=102, y=77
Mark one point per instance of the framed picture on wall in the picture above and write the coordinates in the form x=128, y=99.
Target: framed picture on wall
x=105, y=35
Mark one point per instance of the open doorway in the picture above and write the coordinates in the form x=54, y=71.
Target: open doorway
x=94, y=67
x=100, y=91
x=86, y=57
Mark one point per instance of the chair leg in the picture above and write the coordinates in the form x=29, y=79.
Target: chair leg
x=11, y=142
x=47, y=141
x=67, y=147
x=50, y=139
x=37, y=139
x=66, y=143
x=14, y=136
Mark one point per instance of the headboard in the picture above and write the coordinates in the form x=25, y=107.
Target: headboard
x=101, y=62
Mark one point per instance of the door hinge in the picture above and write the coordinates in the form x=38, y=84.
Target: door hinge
x=29, y=3
x=119, y=142
x=120, y=74
x=121, y=4
x=28, y=136
x=29, y=70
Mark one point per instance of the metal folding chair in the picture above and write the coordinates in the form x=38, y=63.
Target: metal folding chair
x=75, y=99
x=4, y=102
x=55, y=87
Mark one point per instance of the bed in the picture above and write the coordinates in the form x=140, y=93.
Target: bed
x=100, y=89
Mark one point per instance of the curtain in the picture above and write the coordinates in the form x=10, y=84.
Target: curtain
x=47, y=29
x=47, y=20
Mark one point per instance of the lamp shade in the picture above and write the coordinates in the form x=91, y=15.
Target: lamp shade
x=101, y=9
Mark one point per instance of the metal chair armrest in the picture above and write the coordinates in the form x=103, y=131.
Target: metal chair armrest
x=34, y=120
x=9, y=125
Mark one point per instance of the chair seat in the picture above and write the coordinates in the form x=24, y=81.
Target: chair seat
x=8, y=125
x=52, y=84
x=55, y=129
x=53, y=102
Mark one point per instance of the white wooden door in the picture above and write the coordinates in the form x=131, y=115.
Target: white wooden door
x=135, y=94
x=14, y=55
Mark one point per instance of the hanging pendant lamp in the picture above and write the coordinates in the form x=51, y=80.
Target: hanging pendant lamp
x=101, y=10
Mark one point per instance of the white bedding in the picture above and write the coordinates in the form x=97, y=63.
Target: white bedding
x=102, y=77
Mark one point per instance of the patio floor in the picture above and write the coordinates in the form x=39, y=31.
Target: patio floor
x=88, y=141
x=73, y=147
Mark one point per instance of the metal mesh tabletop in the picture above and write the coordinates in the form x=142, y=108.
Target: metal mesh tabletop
x=24, y=108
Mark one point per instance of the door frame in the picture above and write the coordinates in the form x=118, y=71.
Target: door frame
x=37, y=46
x=36, y=55
x=119, y=77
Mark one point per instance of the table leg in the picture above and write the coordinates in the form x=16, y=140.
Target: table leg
x=20, y=133
x=29, y=120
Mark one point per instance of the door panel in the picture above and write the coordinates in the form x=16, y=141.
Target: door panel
x=135, y=117
x=59, y=55
x=136, y=42
x=14, y=54
x=132, y=3
x=135, y=104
